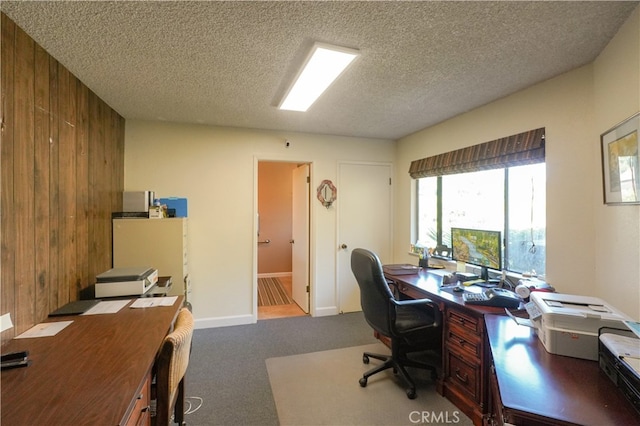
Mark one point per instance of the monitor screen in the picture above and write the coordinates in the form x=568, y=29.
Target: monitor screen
x=477, y=247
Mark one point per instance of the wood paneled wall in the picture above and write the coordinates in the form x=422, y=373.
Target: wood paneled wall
x=62, y=174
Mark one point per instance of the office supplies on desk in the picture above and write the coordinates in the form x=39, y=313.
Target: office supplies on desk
x=497, y=297
x=400, y=269
x=619, y=358
x=466, y=276
x=482, y=283
x=130, y=281
x=150, y=302
x=45, y=329
x=14, y=360
x=76, y=307
x=569, y=323
x=107, y=307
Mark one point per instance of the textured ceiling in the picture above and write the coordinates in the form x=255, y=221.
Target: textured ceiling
x=228, y=63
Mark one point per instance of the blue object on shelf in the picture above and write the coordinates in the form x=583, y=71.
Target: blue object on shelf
x=178, y=204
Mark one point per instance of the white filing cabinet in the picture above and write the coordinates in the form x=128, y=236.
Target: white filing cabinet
x=157, y=243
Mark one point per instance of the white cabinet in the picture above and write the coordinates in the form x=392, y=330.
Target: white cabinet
x=156, y=243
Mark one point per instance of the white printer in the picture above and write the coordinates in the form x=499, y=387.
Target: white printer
x=132, y=281
x=568, y=324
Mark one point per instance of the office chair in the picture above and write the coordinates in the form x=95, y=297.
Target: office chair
x=412, y=325
x=171, y=367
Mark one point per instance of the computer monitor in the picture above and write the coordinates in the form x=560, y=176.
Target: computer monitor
x=477, y=247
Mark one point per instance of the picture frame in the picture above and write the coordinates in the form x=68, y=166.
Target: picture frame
x=620, y=147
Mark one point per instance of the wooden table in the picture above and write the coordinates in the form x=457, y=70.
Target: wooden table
x=94, y=372
x=536, y=387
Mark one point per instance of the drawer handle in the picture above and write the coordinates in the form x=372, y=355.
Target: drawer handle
x=464, y=379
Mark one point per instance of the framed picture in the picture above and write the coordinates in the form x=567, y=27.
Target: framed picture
x=621, y=162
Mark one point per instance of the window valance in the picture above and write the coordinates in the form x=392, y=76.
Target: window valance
x=523, y=148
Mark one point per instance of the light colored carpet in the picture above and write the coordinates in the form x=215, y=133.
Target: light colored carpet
x=321, y=388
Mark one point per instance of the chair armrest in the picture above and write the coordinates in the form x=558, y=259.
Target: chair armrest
x=393, y=286
x=437, y=315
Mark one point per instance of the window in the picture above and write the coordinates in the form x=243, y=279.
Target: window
x=510, y=200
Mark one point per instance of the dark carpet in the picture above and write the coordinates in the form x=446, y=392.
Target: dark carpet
x=228, y=372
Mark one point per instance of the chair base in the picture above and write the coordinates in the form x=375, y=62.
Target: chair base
x=398, y=366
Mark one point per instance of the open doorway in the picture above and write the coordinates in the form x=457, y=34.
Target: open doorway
x=283, y=240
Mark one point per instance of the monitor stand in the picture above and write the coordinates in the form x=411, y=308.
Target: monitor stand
x=484, y=274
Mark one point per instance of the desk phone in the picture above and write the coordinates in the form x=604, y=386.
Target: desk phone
x=497, y=297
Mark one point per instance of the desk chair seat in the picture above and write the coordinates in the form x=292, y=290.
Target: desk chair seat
x=412, y=325
x=171, y=367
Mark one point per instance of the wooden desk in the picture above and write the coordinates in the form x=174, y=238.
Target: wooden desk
x=536, y=387
x=94, y=372
x=465, y=353
x=531, y=385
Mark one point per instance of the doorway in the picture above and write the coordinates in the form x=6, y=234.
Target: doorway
x=283, y=239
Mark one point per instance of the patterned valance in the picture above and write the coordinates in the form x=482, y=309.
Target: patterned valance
x=516, y=150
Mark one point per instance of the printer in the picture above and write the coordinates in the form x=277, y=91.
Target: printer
x=568, y=324
x=131, y=281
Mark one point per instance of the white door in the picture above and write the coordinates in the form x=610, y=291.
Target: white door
x=300, y=237
x=364, y=220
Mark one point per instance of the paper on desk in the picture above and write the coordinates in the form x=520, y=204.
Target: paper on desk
x=44, y=329
x=150, y=302
x=107, y=307
x=520, y=321
x=633, y=363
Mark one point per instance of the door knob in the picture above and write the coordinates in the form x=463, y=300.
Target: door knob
x=344, y=246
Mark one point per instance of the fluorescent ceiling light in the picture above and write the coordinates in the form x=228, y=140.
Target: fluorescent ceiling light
x=323, y=65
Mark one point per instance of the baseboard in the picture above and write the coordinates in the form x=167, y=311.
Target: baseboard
x=325, y=312
x=224, y=321
x=274, y=274
x=250, y=319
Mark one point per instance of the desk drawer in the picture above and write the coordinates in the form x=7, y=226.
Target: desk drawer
x=464, y=375
x=465, y=321
x=464, y=342
x=141, y=414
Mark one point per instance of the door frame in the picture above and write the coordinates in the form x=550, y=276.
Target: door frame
x=312, y=237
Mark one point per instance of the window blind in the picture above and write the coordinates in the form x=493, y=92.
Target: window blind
x=516, y=150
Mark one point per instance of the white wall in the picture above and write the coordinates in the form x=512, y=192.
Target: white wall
x=591, y=249
x=216, y=170
x=617, y=228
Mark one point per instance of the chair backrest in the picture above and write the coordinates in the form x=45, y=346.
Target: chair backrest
x=375, y=294
x=171, y=365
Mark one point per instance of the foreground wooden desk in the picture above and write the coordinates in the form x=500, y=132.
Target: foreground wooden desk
x=531, y=386
x=94, y=372
x=465, y=353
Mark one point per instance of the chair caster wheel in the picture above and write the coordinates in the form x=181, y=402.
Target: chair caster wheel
x=363, y=382
x=411, y=394
x=365, y=359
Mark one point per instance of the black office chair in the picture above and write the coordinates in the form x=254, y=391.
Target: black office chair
x=412, y=325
